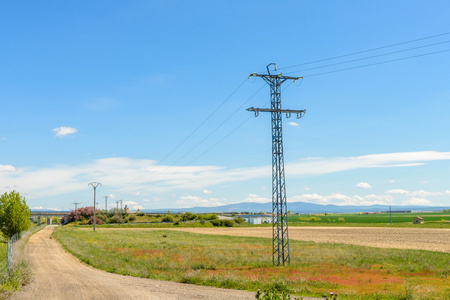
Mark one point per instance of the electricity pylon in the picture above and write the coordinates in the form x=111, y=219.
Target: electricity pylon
x=280, y=236
x=106, y=203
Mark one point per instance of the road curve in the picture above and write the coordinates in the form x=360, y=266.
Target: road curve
x=59, y=275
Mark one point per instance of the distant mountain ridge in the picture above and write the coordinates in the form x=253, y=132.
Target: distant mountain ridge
x=296, y=207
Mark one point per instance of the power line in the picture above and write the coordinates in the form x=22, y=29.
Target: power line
x=377, y=63
x=365, y=51
x=141, y=186
x=194, y=131
x=369, y=57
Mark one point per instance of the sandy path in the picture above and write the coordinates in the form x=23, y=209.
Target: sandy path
x=400, y=238
x=59, y=275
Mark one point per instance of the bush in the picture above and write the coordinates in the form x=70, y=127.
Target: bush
x=187, y=216
x=132, y=217
x=227, y=223
x=342, y=220
x=215, y=222
x=203, y=222
x=239, y=220
x=97, y=221
x=116, y=219
x=168, y=218
x=140, y=214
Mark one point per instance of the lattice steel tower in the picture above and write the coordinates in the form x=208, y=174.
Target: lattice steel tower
x=280, y=239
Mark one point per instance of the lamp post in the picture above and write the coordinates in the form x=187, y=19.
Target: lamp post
x=94, y=185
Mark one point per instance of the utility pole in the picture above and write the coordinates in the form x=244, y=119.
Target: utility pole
x=106, y=203
x=390, y=213
x=94, y=185
x=76, y=212
x=280, y=236
x=117, y=206
x=121, y=209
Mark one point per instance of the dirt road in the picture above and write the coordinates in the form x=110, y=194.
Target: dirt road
x=59, y=275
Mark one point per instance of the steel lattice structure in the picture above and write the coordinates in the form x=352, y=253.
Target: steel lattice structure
x=280, y=237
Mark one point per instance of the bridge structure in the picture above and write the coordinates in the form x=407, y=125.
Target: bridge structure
x=36, y=215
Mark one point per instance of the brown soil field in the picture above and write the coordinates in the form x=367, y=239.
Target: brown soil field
x=430, y=239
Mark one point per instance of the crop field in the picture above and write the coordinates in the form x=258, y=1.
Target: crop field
x=440, y=218
x=354, y=272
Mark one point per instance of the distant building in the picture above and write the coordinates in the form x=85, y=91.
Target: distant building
x=418, y=220
x=257, y=219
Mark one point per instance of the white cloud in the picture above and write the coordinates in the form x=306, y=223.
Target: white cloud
x=191, y=201
x=127, y=176
x=420, y=193
x=207, y=192
x=257, y=199
x=293, y=124
x=416, y=201
x=62, y=131
x=363, y=185
x=7, y=168
x=391, y=181
x=37, y=207
x=423, y=193
x=397, y=191
x=341, y=199
x=146, y=200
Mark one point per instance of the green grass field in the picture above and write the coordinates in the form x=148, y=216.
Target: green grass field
x=354, y=272
x=398, y=219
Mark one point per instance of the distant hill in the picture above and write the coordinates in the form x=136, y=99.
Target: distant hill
x=295, y=207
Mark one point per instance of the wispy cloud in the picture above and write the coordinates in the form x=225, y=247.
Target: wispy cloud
x=62, y=131
x=130, y=176
x=293, y=124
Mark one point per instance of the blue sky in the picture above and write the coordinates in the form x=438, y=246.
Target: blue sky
x=149, y=98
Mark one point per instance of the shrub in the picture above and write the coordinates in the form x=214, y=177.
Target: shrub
x=132, y=217
x=176, y=223
x=116, y=219
x=342, y=220
x=202, y=222
x=227, y=223
x=187, y=216
x=97, y=221
x=215, y=222
x=141, y=214
x=239, y=220
x=167, y=218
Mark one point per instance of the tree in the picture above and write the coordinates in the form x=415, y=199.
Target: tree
x=14, y=214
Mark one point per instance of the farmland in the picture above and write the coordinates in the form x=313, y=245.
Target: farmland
x=354, y=272
x=432, y=219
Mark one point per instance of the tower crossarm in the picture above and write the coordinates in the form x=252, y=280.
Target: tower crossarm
x=288, y=112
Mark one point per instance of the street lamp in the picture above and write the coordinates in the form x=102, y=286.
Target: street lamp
x=94, y=185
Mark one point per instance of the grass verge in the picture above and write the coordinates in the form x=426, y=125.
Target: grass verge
x=354, y=272
x=20, y=274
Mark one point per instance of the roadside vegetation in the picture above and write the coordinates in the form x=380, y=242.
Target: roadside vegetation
x=114, y=218
x=353, y=272
x=14, y=220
